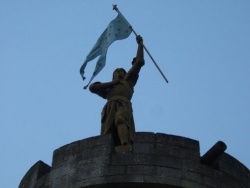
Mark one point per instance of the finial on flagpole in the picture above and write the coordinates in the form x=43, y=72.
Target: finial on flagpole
x=115, y=7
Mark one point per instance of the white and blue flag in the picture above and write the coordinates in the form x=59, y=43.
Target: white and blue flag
x=118, y=29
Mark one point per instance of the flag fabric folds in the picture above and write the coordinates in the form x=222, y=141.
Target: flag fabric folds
x=118, y=29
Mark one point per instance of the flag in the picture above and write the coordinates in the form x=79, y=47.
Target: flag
x=118, y=29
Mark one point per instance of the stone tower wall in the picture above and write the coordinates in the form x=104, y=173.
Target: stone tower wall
x=155, y=160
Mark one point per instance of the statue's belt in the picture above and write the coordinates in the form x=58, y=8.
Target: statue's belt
x=119, y=98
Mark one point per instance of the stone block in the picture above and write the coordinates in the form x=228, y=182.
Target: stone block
x=83, y=149
x=177, y=141
x=144, y=137
x=231, y=166
x=38, y=170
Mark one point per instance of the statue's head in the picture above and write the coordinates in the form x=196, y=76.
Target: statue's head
x=119, y=73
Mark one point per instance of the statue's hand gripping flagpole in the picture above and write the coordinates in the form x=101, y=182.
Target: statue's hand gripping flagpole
x=117, y=10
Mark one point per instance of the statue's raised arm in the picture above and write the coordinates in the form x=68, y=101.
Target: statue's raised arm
x=137, y=63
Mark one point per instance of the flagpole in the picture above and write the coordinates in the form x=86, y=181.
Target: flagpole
x=117, y=10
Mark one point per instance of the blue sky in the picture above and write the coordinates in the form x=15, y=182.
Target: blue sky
x=201, y=46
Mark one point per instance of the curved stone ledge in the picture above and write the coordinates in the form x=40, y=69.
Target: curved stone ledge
x=156, y=160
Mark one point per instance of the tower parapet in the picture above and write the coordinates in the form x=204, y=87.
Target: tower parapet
x=155, y=160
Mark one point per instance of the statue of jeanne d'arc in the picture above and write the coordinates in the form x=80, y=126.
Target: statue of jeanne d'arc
x=117, y=114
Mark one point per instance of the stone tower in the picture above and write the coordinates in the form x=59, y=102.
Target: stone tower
x=154, y=161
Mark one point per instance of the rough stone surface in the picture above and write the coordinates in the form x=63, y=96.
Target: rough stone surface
x=155, y=160
x=38, y=171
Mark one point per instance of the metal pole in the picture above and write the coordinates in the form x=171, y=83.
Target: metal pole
x=117, y=10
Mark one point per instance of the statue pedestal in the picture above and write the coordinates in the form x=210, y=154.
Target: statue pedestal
x=124, y=149
x=154, y=160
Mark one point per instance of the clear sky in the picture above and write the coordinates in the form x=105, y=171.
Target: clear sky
x=203, y=48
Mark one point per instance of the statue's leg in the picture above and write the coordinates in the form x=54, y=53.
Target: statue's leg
x=122, y=129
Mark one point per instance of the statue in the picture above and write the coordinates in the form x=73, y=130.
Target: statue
x=117, y=114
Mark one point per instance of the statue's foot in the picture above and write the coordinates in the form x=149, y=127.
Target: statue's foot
x=124, y=143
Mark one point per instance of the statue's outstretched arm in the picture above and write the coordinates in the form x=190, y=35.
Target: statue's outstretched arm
x=98, y=86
